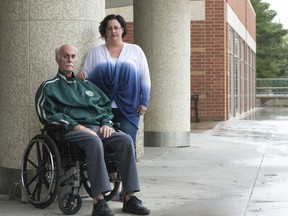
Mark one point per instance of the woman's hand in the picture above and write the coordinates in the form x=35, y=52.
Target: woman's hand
x=82, y=75
x=141, y=110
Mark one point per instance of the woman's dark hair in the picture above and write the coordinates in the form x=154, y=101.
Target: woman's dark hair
x=104, y=23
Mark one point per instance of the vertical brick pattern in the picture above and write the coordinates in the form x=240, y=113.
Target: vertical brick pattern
x=129, y=37
x=210, y=75
x=209, y=62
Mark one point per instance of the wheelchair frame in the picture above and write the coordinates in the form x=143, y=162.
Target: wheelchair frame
x=45, y=157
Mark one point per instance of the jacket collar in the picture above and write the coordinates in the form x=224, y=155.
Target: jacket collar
x=63, y=76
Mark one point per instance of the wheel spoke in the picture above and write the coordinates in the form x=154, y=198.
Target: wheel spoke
x=38, y=153
x=39, y=187
x=46, y=183
x=32, y=163
x=31, y=181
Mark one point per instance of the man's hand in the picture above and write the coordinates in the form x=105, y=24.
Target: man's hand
x=82, y=75
x=106, y=131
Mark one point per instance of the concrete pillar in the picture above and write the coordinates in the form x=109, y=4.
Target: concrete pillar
x=30, y=32
x=162, y=29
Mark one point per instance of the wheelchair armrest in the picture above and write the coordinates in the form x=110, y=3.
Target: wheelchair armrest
x=56, y=132
x=53, y=127
x=116, y=126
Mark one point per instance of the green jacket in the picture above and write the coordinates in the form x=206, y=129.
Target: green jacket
x=71, y=101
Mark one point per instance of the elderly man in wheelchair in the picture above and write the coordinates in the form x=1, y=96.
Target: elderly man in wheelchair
x=84, y=113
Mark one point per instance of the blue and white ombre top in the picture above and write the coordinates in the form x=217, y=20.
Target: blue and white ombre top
x=126, y=80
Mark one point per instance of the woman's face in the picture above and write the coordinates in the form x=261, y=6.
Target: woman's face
x=114, y=30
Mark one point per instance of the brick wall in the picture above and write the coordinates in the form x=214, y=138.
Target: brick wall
x=209, y=62
x=129, y=37
x=246, y=14
x=210, y=72
x=210, y=75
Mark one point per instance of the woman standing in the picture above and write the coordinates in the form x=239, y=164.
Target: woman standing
x=120, y=70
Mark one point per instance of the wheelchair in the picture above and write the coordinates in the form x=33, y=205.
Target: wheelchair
x=47, y=158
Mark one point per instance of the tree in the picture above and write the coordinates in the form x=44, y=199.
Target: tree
x=284, y=63
x=271, y=44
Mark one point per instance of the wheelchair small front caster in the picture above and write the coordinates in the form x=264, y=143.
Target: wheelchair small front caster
x=70, y=203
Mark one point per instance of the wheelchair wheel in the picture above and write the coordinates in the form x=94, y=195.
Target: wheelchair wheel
x=107, y=196
x=70, y=203
x=40, y=171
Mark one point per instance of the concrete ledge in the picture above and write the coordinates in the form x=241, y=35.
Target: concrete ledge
x=10, y=181
x=166, y=139
x=272, y=101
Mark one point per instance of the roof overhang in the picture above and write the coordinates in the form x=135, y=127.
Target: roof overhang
x=118, y=3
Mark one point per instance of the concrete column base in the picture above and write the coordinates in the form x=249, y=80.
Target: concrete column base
x=167, y=139
x=10, y=182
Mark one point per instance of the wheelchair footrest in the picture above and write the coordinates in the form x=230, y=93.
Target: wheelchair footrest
x=116, y=180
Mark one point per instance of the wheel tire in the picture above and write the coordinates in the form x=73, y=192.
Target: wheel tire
x=70, y=204
x=40, y=171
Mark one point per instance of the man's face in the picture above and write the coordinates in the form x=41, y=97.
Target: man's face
x=67, y=59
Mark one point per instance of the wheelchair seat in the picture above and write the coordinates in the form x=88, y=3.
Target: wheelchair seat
x=46, y=157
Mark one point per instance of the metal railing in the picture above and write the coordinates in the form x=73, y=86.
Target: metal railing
x=273, y=87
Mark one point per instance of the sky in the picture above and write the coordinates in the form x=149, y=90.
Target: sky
x=280, y=6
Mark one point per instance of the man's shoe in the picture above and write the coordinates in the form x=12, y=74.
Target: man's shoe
x=101, y=209
x=134, y=206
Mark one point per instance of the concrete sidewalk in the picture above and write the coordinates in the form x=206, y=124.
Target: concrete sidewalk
x=233, y=168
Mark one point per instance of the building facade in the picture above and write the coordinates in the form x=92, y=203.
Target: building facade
x=223, y=56
x=30, y=32
x=223, y=51
x=202, y=47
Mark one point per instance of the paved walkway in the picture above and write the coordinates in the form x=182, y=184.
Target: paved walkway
x=233, y=168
